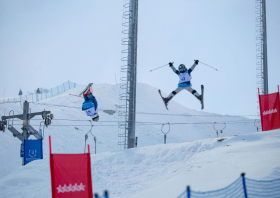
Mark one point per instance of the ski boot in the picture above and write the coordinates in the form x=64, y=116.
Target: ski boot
x=87, y=93
x=95, y=119
x=199, y=97
x=166, y=100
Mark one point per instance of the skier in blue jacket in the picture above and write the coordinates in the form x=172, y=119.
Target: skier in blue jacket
x=90, y=106
x=185, y=81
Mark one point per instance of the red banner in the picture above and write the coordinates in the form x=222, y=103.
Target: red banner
x=269, y=111
x=70, y=175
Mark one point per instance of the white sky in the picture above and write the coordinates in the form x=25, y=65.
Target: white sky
x=45, y=43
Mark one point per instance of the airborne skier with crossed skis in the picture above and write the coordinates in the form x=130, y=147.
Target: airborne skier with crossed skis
x=185, y=77
x=90, y=105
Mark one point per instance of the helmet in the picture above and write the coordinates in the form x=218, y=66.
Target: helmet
x=182, y=68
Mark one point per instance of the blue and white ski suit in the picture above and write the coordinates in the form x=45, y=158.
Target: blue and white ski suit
x=90, y=106
x=184, y=82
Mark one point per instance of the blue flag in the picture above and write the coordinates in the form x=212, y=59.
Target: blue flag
x=33, y=150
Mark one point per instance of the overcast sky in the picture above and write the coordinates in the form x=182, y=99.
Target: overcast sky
x=45, y=43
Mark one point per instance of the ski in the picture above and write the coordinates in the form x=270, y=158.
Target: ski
x=202, y=97
x=162, y=99
x=86, y=89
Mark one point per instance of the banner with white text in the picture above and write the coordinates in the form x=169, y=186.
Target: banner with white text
x=71, y=175
x=269, y=111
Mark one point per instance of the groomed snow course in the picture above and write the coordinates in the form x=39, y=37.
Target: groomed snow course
x=163, y=170
x=154, y=169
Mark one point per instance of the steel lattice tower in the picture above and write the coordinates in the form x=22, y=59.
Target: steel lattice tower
x=261, y=37
x=127, y=106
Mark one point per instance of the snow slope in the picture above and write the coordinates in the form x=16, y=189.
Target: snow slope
x=163, y=170
x=141, y=170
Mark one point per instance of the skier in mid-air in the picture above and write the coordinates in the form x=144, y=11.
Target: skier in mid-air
x=90, y=105
x=184, y=83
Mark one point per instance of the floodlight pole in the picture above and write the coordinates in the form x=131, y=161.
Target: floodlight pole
x=265, y=70
x=132, y=74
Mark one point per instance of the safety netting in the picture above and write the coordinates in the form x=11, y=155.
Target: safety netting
x=42, y=94
x=240, y=188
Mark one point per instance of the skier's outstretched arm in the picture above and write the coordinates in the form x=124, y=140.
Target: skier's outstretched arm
x=193, y=66
x=173, y=68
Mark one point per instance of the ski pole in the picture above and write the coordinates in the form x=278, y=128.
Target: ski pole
x=159, y=67
x=208, y=65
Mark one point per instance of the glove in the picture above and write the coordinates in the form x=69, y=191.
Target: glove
x=170, y=64
x=196, y=61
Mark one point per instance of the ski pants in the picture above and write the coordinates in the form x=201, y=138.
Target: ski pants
x=190, y=89
x=91, y=112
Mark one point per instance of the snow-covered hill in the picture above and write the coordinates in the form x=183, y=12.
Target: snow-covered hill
x=162, y=170
x=145, y=169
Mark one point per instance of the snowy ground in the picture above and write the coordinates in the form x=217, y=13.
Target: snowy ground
x=151, y=170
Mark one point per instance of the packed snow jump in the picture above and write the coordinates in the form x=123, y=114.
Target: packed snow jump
x=185, y=77
x=90, y=105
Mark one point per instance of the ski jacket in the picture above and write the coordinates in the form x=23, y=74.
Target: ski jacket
x=90, y=102
x=185, y=77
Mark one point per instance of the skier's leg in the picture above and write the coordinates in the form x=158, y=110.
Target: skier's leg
x=173, y=93
x=95, y=116
x=194, y=92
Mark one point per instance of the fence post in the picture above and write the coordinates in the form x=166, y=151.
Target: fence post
x=106, y=194
x=188, y=192
x=244, y=185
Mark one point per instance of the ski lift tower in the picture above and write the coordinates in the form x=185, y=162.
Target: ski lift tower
x=261, y=36
x=127, y=103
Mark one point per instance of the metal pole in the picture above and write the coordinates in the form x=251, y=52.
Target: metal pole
x=95, y=144
x=132, y=72
x=188, y=192
x=244, y=185
x=265, y=71
x=165, y=138
x=25, y=122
